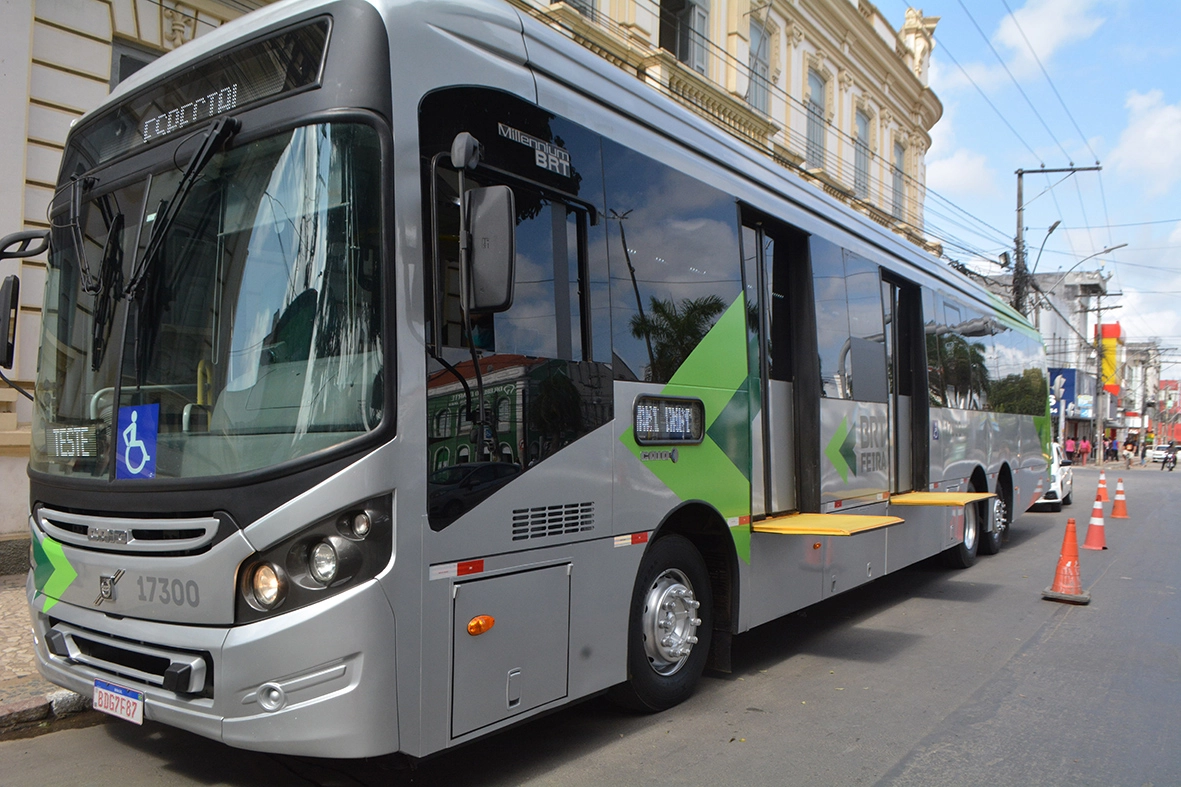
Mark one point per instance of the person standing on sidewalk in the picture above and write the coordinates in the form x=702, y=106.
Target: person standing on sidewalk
x=1070, y=447
x=1084, y=448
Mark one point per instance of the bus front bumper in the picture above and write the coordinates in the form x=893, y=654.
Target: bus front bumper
x=317, y=681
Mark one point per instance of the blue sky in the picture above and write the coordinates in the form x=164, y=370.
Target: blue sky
x=1116, y=64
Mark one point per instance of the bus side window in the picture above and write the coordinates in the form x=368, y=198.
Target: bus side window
x=674, y=253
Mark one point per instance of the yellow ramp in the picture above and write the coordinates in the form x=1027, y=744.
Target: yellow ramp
x=824, y=524
x=939, y=498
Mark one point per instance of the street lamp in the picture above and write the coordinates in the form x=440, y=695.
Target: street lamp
x=1080, y=262
x=1038, y=259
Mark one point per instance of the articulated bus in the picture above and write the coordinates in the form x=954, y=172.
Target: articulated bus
x=408, y=371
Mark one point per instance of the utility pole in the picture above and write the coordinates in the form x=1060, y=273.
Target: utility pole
x=1020, y=272
x=1097, y=420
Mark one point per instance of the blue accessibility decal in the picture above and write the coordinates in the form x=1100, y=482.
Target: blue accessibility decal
x=136, y=448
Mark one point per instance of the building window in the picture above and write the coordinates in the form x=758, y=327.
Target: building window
x=861, y=156
x=684, y=31
x=899, y=180
x=126, y=59
x=443, y=423
x=759, y=91
x=814, y=152
x=584, y=7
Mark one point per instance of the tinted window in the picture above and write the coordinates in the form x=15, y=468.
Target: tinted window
x=674, y=254
x=832, y=318
x=541, y=361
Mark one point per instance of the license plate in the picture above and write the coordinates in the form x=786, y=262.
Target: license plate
x=126, y=704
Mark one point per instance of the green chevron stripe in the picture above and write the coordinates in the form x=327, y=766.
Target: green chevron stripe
x=53, y=573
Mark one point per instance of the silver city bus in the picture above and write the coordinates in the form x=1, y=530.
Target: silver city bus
x=408, y=371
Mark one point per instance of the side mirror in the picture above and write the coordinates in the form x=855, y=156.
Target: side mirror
x=10, y=293
x=1065, y=462
x=491, y=220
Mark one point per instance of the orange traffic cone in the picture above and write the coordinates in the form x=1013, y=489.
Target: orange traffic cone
x=1067, y=581
x=1095, y=537
x=1119, y=509
x=1103, y=486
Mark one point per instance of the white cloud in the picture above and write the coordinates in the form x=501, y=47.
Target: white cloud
x=962, y=174
x=1149, y=148
x=1049, y=25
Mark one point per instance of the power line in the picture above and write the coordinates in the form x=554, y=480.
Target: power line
x=1126, y=224
x=989, y=102
x=1038, y=60
x=1015, y=83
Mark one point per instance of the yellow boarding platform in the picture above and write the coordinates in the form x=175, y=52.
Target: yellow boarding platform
x=824, y=524
x=953, y=499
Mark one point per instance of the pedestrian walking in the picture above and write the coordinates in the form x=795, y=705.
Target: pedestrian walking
x=1071, y=447
x=1084, y=449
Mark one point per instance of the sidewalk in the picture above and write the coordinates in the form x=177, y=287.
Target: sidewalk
x=25, y=699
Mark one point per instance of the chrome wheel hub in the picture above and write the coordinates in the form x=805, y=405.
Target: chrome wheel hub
x=670, y=622
x=1000, y=515
x=971, y=526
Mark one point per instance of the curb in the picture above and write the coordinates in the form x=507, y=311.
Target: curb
x=21, y=714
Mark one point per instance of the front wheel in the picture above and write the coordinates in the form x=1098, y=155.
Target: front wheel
x=669, y=627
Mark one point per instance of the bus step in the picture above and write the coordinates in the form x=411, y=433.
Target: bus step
x=952, y=499
x=824, y=524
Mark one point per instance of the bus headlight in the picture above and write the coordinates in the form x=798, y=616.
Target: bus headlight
x=361, y=524
x=267, y=586
x=350, y=546
x=322, y=563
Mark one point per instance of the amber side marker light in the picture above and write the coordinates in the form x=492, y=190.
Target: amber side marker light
x=479, y=624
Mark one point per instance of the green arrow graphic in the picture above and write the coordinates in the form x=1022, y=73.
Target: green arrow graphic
x=63, y=573
x=840, y=450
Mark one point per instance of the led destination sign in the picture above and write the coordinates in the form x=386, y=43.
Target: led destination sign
x=669, y=421
x=286, y=62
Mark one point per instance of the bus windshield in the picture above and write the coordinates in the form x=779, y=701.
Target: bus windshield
x=254, y=334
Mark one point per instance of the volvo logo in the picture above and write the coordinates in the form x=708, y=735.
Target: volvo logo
x=106, y=587
x=108, y=535
x=659, y=456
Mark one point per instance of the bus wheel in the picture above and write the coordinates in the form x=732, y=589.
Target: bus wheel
x=963, y=554
x=990, y=542
x=669, y=628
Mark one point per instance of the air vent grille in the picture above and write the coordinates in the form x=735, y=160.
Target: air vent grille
x=557, y=520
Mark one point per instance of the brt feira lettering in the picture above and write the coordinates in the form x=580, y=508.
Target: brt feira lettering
x=874, y=442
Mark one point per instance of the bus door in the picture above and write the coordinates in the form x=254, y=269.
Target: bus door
x=776, y=270
x=902, y=310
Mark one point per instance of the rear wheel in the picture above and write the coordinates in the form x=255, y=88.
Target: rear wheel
x=963, y=554
x=991, y=541
x=669, y=629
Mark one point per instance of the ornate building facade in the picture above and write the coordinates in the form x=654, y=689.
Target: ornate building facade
x=58, y=60
x=826, y=87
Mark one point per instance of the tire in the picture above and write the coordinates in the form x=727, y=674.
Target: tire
x=991, y=541
x=669, y=627
x=963, y=554
x=1066, y=500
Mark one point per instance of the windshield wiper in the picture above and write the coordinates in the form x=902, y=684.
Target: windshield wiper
x=215, y=139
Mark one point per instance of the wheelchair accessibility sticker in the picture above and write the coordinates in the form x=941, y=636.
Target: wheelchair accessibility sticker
x=136, y=454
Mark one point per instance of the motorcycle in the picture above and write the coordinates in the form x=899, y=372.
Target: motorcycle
x=1171, y=460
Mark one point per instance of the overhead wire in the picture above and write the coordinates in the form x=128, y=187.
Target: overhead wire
x=1014, y=80
x=988, y=101
x=1046, y=74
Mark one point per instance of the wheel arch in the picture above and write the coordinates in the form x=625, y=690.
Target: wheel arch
x=706, y=529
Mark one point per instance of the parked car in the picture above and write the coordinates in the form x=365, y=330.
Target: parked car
x=1061, y=487
x=452, y=491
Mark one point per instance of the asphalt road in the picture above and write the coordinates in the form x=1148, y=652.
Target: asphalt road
x=925, y=677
